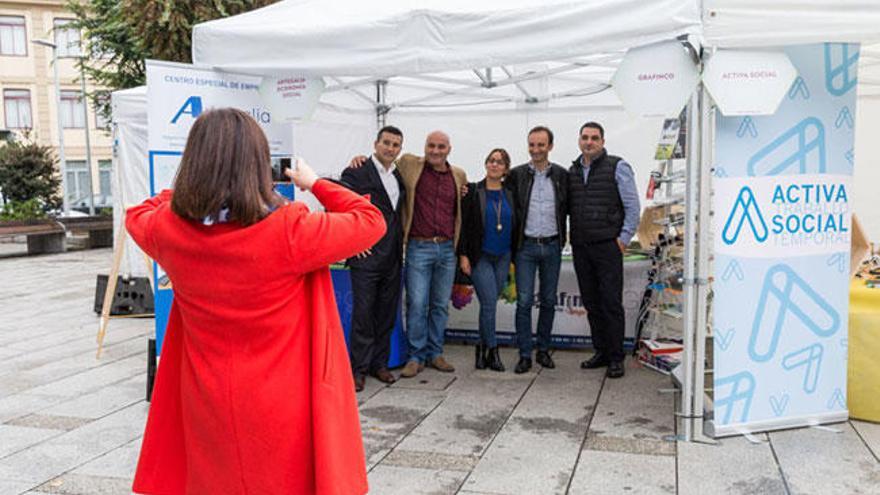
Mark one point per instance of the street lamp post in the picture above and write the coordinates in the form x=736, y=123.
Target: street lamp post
x=64, y=200
x=88, y=144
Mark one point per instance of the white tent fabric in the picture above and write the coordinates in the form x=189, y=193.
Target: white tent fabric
x=131, y=174
x=401, y=37
x=753, y=23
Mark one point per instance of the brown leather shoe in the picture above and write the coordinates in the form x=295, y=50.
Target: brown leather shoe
x=440, y=364
x=384, y=376
x=359, y=383
x=411, y=369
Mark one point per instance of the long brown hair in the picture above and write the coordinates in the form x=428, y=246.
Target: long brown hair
x=225, y=164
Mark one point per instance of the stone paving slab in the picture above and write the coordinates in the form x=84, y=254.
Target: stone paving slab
x=390, y=415
x=16, y=438
x=393, y=480
x=609, y=473
x=734, y=466
x=117, y=463
x=870, y=434
x=537, y=449
x=817, y=461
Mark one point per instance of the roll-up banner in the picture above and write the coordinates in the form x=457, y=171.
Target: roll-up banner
x=176, y=95
x=782, y=230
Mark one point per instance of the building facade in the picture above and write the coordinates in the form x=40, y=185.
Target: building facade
x=28, y=102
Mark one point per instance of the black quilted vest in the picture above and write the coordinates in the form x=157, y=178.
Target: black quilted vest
x=595, y=209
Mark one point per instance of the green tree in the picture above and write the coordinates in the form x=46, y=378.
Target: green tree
x=27, y=173
x=119, y=35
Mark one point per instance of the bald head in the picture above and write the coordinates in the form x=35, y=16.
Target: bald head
x=437, y=149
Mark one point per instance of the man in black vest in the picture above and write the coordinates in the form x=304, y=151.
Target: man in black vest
x=603, y=208
x=375, y=273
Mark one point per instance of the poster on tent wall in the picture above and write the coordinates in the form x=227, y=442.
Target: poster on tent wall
x=177, y=94
x=781, y=239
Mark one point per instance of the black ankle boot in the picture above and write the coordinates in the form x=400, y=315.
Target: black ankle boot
x=480, y=356
x=493, y=360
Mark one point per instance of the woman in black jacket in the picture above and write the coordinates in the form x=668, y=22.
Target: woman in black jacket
x=485, y=248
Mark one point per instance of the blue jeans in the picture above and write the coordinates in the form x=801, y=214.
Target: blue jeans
x=430, y=271
x=489, y=276
x=546, y=259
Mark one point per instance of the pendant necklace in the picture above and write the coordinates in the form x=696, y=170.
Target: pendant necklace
x=497, y=206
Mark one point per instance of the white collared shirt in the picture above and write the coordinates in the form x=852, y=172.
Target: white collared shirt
x=392, y=188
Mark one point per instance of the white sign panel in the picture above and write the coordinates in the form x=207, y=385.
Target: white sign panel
x=292, y=97
x=748, y=82
x=656, y=80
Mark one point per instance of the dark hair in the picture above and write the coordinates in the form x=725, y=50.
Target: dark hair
x=504, y=157
x=542, y=128
x=225, y=164
x=390, y=129
x=593, y=125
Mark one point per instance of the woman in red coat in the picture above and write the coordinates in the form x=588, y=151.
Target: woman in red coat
x=254, y=393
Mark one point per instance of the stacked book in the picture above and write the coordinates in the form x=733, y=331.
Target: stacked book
x=660, y=355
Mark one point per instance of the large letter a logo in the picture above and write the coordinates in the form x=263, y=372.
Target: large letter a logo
x=745, y=209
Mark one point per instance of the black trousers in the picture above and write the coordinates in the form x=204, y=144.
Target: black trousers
x=599, y=270
x=376, y=301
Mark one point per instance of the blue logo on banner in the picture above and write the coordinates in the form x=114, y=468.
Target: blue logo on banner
x=192, y=107
x=742, y=391
x=838, y=259
x=841, y=68
x=850, y=156
x=733, y=269
x=784, y=293
x=793, y=147
x=719, y=172
x=799, y=87
x=844, y=118
x=745, y=208
x=747, y=126
x=837, y=400
x=779, y=405
x=809, y=357
x=723, y=339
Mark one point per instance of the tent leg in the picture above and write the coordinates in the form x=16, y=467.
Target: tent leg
x=381, y=105
x=690, y=240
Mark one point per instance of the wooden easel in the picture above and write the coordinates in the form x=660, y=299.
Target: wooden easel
x=118, y=251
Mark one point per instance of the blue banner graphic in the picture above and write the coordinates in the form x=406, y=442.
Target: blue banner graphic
x=782, y=238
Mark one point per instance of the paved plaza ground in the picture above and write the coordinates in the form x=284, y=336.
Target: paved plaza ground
x=71, y=424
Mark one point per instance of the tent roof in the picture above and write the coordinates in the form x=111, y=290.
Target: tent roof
x=398, y=37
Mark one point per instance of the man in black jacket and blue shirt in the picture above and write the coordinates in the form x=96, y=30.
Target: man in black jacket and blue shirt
x=539, y=191
x=603, y=208
x=375, y=273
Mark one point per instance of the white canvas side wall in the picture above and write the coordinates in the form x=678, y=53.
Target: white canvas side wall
x=866, y=176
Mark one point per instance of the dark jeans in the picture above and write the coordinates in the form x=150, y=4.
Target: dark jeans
x=599, y=270
x=430, y=271
x=376, y=300
x=546, y=260
x=489, y=276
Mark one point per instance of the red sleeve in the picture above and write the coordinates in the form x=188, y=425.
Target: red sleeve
x=350, y=225
x=139, y=222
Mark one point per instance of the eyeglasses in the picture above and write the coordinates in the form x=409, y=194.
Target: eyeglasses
x=493, y=161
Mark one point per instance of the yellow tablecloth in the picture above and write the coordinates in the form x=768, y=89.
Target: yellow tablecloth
x=863, y=388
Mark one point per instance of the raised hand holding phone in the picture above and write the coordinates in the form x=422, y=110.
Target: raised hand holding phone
x=302, y=175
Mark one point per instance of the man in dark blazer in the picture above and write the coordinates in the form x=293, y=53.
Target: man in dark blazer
x=375, y=273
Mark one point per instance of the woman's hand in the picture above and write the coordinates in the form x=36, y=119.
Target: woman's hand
x=302, y=176
x=465, y=265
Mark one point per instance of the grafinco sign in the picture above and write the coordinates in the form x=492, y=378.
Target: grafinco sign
x=656, y=80
x=748, y=82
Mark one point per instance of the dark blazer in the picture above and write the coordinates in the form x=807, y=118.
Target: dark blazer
x=389, y=249
x=520, y=180
x=473, y=221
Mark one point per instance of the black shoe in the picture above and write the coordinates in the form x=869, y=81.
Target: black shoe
x=480, y=356
x=543, y=358
x=597, y=361
x=524, y=365
x=615, y=370
x=493, y=360
x=359, y=383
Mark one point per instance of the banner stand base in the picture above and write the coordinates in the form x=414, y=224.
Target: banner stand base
x=719, y=431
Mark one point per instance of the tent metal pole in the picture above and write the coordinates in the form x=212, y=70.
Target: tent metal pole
x=690, y=229
x=381, y=106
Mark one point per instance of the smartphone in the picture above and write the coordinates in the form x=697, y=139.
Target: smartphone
x=285, y=165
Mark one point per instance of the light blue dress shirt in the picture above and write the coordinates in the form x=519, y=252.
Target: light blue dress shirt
x=541, y=217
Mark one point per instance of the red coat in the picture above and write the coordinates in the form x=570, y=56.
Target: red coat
x=254, y=393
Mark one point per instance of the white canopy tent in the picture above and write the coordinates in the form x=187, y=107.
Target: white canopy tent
x=487, y=71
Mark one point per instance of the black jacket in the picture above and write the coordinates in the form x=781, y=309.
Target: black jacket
x=473, y=220
x=519, y=181
x=595, y=209
x=389, y=249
